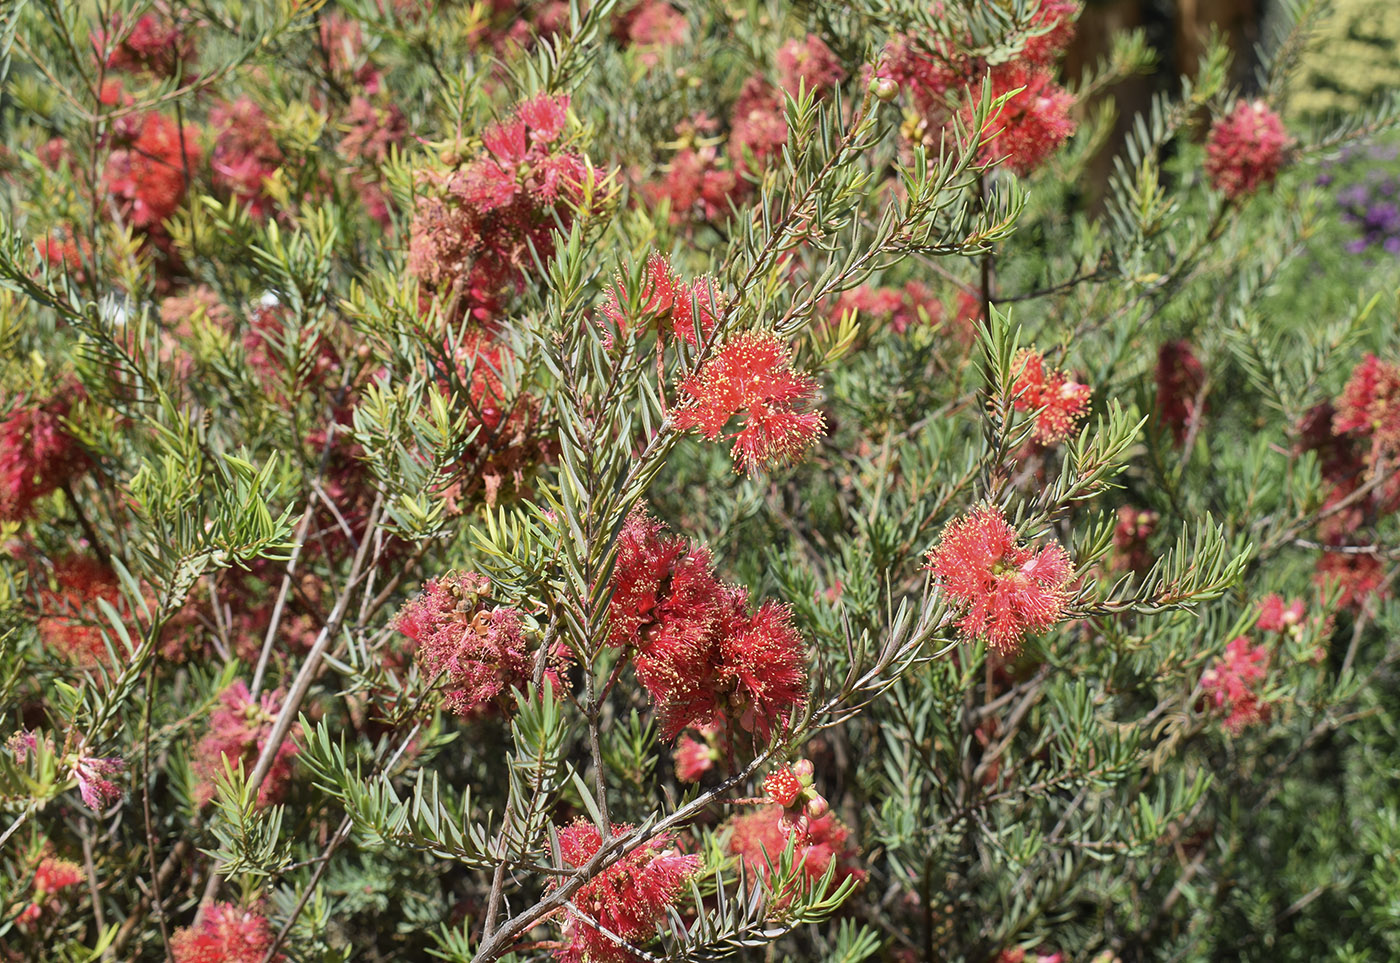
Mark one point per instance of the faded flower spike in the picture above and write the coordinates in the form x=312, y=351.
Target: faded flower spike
x=1004, y=590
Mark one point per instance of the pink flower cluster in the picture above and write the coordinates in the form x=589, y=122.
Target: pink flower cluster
x=1032, y=124
x=1055, y=398
x=238, y=732
x=1357, y=441
x=704, y=656
x=759, y=838
x=149, y=170
x=751, y=378
x=245, y=153
x=1231, y=684
x=51, y=877
x=897, y=308
x=154, y=44
x=677, y=308
x=477, y=230
x=702, y=181
x=935, y=78
x=1002, y=589
x=477, y=652
x=225, y=934
x=37, y=452
x=1180, y=378
x=622, y=906
x=97, y=790
x=1246, y=149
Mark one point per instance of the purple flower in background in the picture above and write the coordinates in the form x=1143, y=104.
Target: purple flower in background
x=1365, y=186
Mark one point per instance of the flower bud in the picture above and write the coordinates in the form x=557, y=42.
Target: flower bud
x=817, y=807
x=884, y=89
x=803, y=770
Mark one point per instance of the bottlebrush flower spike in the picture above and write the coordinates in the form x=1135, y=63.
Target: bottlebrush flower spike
x=51, y=876
x=751, y=378
x=238, y=732
x=697, y=651
x=37, y=452
x=1370, y=403
x=1056, y=399
x=763, y=670
x=1004, y=590
x=1230, y=684
x=628, y=899
x=760, y=837
x=478, y=652
x=693, y=757
x=1031, y=125
x=226, y=934
x=1179, y=377
x=1277, y=616
x=1245, y=149
x=1058, y=18
x=148, y=178
x=684, y=310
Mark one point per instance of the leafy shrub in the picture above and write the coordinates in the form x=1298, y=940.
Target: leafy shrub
x=621, y=483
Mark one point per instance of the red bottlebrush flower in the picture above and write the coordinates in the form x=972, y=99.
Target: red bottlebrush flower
x=763, y=670
x=238, y=732
x=782, y=786
x=225, y=934
x=1031, y=125
x=1276, y=616
x=809, y=63
x=1057, y=400
x=1338, y=455
x=697, y=652
x=1370, y=403
x=245, y=154
x=760, y=837
x=65, y=253
x=695, y=758
x=477, y=651
x=627, y=900
x=70, y=621
x=1360, y=576
x=898, y=309
x=752, y=374
x=154, y=43
x=97, y=790
x=478, y=229
x=1230, y=683
x=37, y=453
x=1059, y=17
x=665, y=301
x=697, y=185
x=1135, y=526
x=1245, y=149
x=1003, y=589
x=1180, y=379
x=147, y=179
x=52, y=875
